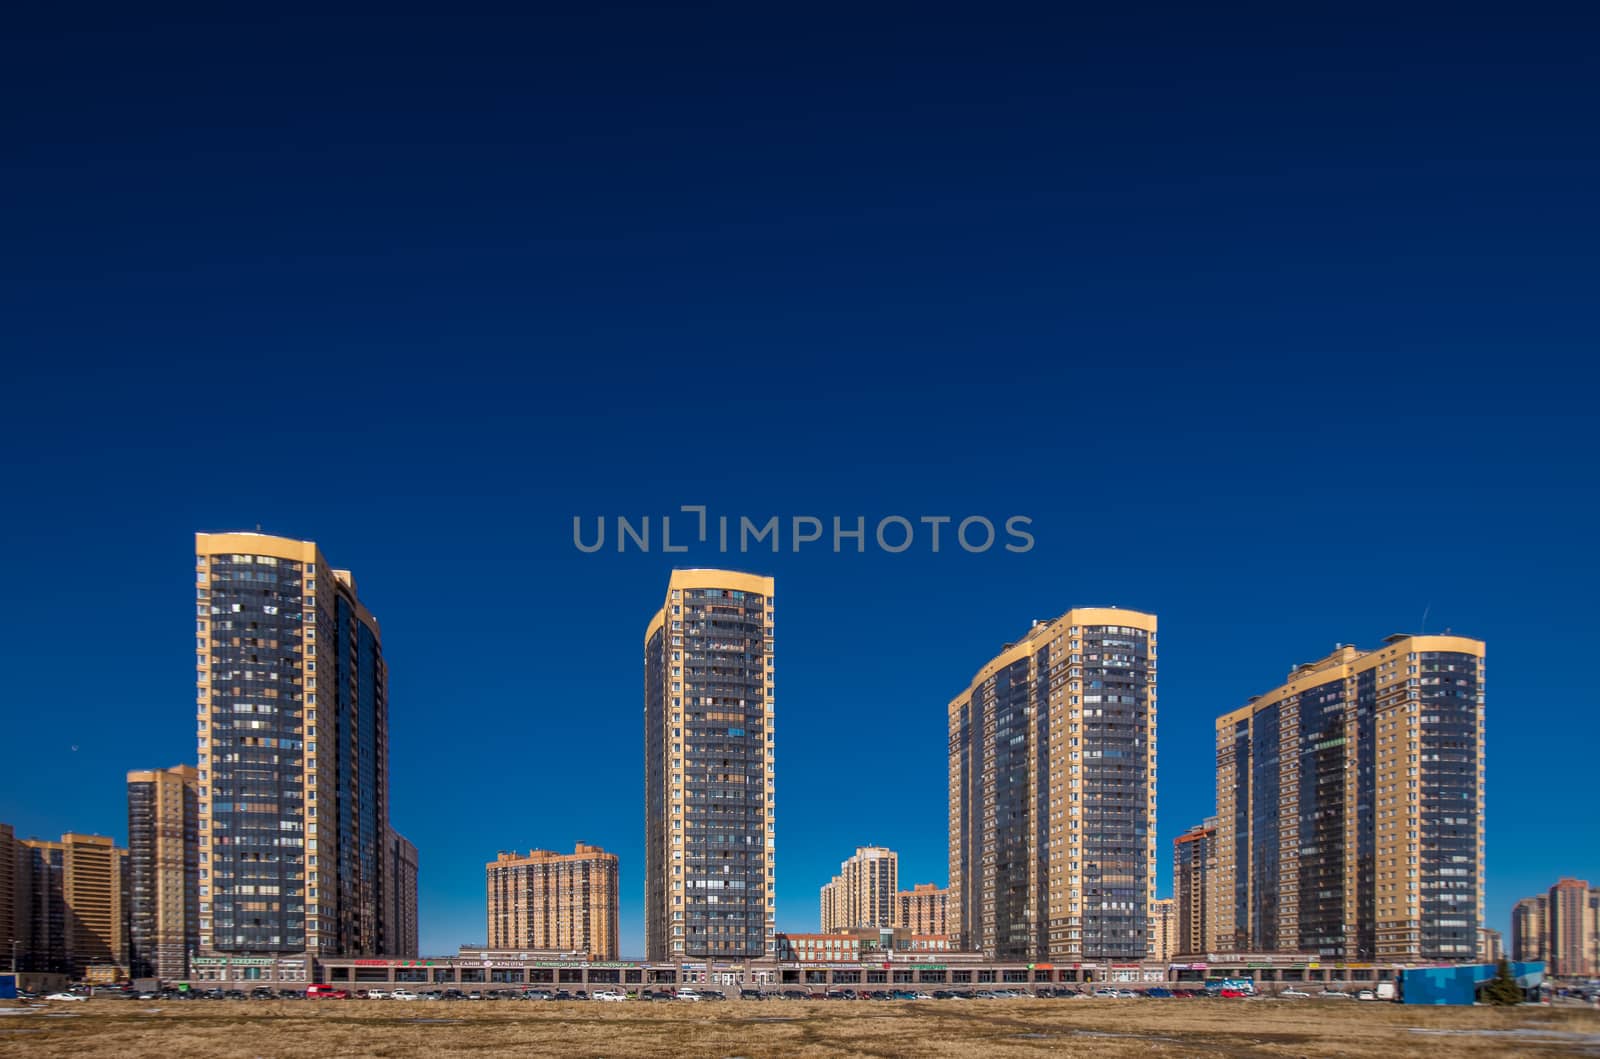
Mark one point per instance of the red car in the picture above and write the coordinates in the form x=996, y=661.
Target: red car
x=326, y=992
x=1233, y=994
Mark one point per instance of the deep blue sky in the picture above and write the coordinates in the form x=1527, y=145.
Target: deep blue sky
x=1277, y=322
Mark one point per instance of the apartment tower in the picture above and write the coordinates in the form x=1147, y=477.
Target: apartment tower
x=1163, y=930
x=292, y=718
x=863, y=893
x=709, y=794
x=1053, y=792
x=1350, y=807
x=10, y=935
x=402, y=897
x=1530, y=929
x=1194, y=865
x=1574, y=929
x=163, y=871
x=924, y=910
x=555, y=902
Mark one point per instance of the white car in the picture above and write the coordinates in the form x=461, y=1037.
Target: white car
x=65, y=996
x=1334, y=994
x=377, y=994
x=688, y=994
x=1366, y=994
x=403, y=994
x=1294, y=994
x=607, y=994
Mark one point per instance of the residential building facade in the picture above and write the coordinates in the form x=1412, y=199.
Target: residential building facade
x=403, y=912
x=10, y=934
x=68, y=901
x=1194, y=865
x=1350, y=807
x=293, y=740
x=163, y=871
x=710, y=846
x=93, y=895
x=1163, y=930
x=863, y=893
x=924, y=910
x=1574, y=929
x=564, y=902
x=1052, y=792
x=1530, y=929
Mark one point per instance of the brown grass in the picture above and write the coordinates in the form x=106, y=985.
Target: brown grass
x=994, y=1029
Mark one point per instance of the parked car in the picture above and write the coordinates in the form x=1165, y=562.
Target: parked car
x=1158, y=992
x=326, y=992
x=403, y=994
x=609, y=995
x=65, y=996
x=1366, y=994
x=1294, y=994
x=688, y=994
x=1334, y=994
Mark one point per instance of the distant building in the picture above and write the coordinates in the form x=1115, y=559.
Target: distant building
x=1052, y=766
x=830, y=904
x=1574, y=929
x=163, y=871
x=69, y=899
x=863, y=893
x=1490, y=950
x=554, y=901
x=1530, y=929
x=93, y=896
x=10, y=938
x=403, y=921
x=1350, y=807
x=1163, y=930
x=1194, y=866
x=924, y=910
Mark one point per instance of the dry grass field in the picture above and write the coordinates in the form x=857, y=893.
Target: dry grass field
x=953, y=1029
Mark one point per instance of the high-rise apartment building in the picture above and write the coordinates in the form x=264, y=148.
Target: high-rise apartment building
x=924, y=910
x=402, y=895
x=163, y=871
x=1194, y=863
x=293, y=753
x=10, y=935
x=1574, y=929
x=68, y=900
x=1052, y=792
x=710, y=845
x=564, y=902
x=1350, y=807
x=1163, y=944
x=1490, y=947
x=830, y=904
x=1530, y=929
x=863, y=893
x=41, y=906
x=93, y=895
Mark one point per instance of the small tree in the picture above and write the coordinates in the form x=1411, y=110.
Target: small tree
x=1502, y=989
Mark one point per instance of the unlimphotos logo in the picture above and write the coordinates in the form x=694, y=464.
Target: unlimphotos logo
x=728, y=533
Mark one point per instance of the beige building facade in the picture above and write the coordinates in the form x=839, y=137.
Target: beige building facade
x=1350, y=807
x=1052, y=758
x=555, y=902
